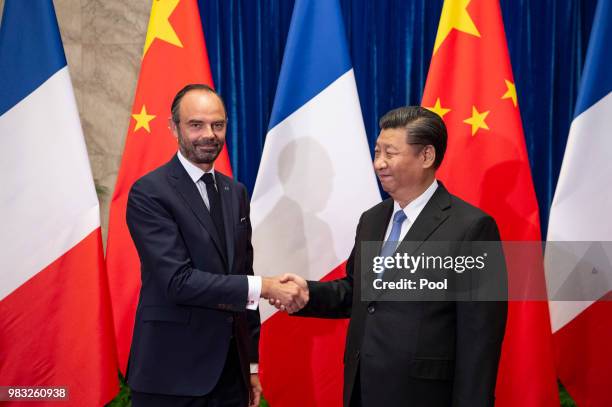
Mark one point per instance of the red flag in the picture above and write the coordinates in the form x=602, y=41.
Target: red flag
x=470, y=84
x=174, y=55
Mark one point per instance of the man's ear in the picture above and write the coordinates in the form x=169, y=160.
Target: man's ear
x=429, y=156
x=172, y=127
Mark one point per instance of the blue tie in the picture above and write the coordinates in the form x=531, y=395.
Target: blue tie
x=391, y=244
x=392, y=241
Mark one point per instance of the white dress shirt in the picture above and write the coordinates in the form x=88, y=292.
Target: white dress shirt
x=412, y=210
x=195, y=173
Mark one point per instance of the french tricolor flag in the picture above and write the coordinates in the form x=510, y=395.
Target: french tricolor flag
x=314, y=181
x=582, y=212
x=55, y=321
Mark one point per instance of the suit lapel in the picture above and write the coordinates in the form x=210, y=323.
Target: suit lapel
x=230, y=205
x=377, y=229
x=180, y=180
x=433, y=214
x=431, y=217
x=372, y=231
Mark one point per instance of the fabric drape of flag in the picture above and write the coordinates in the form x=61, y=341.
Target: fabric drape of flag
x=174, y=56
x=55, y=315
x=470, y=84
x=314, y=181
x=580, y=212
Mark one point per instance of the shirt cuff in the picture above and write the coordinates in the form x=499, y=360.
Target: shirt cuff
x=254, y=368
x=254, y=292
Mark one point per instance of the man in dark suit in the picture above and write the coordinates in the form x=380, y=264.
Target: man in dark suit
x=413, y=353
x=196, y=331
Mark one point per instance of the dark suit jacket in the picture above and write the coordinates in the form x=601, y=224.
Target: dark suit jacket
x=193, y=294
x=419, y=354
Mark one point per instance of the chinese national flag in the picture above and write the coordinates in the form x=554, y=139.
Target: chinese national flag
x=174, y=55
x=470, y=85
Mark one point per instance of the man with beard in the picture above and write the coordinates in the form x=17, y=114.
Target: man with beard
x=196, y=330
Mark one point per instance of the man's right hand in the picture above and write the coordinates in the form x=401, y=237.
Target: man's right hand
x=285, y=292
x=290, y=278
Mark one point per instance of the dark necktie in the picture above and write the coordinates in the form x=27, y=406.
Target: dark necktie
x=215, y=208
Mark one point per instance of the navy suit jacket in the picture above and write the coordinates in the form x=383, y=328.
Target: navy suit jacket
x=193, y=294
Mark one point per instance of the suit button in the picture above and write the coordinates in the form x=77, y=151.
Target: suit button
x=371, y=309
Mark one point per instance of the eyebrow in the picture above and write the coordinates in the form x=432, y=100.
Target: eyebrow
x=197, y=121
x=385, y=146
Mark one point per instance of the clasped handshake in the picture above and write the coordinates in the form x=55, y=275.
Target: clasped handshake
x=287, y=292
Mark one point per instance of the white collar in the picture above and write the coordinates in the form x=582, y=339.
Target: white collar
x=414, y=208
x=195, y=172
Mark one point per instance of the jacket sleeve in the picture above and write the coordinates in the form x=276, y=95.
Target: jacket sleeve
x=480, y=331
x=164, y=258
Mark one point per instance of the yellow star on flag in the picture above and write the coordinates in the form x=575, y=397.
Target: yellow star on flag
x=143, y=119
x=454, y=15
x=159, y=26
x=438, y=109
x=477, y=120
x=511, y=92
